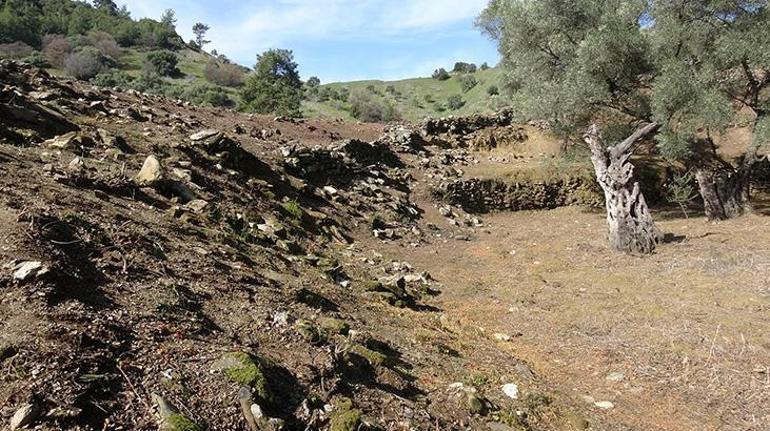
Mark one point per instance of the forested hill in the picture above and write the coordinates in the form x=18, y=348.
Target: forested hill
x=101, y=43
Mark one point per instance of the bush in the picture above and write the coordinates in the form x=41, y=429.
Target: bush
x=205, y=94
x=113, y=78
x=56, y=49
x=455, y=102
x=86, y=63
x=15, y=50
x=493, y=90
x=441, y=74
x=38, y=60
x=461, y=67
x=484, y=66
x=468, y=82
x=366, y=108
x=162, y=63
x=228, y=75
x=105, y=43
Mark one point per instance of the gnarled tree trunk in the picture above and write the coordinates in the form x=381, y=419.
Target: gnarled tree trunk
x=726, y=189
x=631, y=228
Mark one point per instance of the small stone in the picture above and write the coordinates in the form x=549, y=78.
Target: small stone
x=25, y=270
x=475, y=404
x=604, y=405
x=150, y=173
x=24, y=416
x=577, y=421
x=615, y=377
x=197, y=206
x=511, y=390
x=62, y=142
x=203, y=134
x=502, y=337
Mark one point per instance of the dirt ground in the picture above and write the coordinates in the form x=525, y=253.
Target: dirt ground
x=676, y=341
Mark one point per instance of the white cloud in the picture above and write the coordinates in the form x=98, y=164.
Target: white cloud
x=241, y=29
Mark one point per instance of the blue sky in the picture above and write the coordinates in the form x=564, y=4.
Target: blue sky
x=338, y=40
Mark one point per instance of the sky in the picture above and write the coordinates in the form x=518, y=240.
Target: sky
x=338, y=40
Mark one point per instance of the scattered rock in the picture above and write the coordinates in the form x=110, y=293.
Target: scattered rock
x=29, y=269
x=576, y=420
x=616, y=377
x=309, y=332
x=197, y=206
x=334, y=326
x=241, y=368
x=346, y=418
x=203, y=134
x=171, y=418
x=150, y=174
x=375, y=359
x=24, y=416
x=475, y=404
x=511, y=390
x=604, y=405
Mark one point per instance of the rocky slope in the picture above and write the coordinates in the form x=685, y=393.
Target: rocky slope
x=185, y=268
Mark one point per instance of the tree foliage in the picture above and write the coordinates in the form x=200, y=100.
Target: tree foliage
x=30, y=20
x=199, y=30
x=689, y=65
x=568, y=60
x=274, y=86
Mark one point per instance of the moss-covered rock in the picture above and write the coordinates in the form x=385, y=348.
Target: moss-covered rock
x=345, y=420
x=334, y=326
x=309, y=331
x=180, y=422
x=375, y=359
x=243, y=369
x=475, y=404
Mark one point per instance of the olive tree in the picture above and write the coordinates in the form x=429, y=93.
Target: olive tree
x=685, y=71
x=714, y=72
x=586, y=65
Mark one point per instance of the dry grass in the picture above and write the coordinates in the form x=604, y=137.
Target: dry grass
x=689, y=327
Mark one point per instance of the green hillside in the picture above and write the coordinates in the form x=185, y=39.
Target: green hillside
x=412, y=99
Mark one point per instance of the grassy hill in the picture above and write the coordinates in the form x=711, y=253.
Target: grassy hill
x=413, y=99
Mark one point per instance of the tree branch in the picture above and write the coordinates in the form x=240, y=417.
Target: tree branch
x=641, y=133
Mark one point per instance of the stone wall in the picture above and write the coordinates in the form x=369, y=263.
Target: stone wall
x=478, y=195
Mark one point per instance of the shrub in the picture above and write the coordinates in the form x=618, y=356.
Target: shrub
x=313, y=82
x=162, y=62
x=441, y=74
x=16, y=50
x=484, y=66
x=228, y=75
x=468, y=82
x=112, y=78
x=493, y=90
x=151, y=82
x=105, y=43
x=86, y=63
x=56, y=49
x=366, y=108
x=37, y=59
x=461, y=67
x=455, y=102
x=205, y=94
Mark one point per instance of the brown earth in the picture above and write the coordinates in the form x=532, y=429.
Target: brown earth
x=144, y=294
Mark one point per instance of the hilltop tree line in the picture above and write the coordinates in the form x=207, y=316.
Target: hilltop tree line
x=677, y=73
